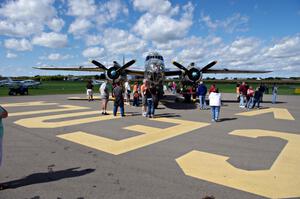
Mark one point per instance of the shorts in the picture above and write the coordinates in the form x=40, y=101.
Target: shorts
x=1, y=145
x=144, y=101
x=104, y=97
x=89, y=92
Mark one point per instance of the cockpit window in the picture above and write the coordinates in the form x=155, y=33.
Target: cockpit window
x=154, y=57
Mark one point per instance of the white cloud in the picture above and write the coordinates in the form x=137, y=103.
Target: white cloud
x=55, y=57
x=156, y=6
x=11, y=55
x=110, y=11
x=51, y=40
x=163, y=28
x=18, y=45
x=81, y=8
x=234, y=23
x=287, y=47
x=122, y=42
x=19, y=29
x=93, y=52
x=25, y=17
x=28, y=10
x=92, y=40
x=56, y=24
x=80, y=26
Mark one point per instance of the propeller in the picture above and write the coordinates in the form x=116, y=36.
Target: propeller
x=114, y=72
x=194, y=73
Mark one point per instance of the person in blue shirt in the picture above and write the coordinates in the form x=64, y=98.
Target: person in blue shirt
x=3, y=114
x=202, y=90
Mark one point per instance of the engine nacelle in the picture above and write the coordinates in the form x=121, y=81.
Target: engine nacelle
x=193, y=74
x=113, y=73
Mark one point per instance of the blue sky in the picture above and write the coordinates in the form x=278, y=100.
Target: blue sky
x=261, y=34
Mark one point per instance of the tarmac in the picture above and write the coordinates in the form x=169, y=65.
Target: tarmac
x=60, y=148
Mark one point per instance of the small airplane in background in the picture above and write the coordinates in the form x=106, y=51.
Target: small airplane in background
x=3, y=82
x=25, y=83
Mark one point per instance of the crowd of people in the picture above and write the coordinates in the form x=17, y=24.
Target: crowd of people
x=246, y=96
x=121, y=94
x=147, y=94
x=250, y=98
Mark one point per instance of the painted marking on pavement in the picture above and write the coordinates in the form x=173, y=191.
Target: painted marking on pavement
x=150, y=136
x=36, y=103
x=279, y=113
x=282, y=180
x=43, y=121
x=64, y=108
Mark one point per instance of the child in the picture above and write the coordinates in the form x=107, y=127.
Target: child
x=136, y=98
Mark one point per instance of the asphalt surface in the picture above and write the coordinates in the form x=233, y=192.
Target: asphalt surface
x=38, y=164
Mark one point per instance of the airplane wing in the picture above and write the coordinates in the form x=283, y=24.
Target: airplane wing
x=135, y=72
x=225, y=70
x=80, y=68
x=90, y=69
x=173, y=73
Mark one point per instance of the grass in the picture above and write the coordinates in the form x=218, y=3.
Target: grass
x=66, y=87
x=54, y=87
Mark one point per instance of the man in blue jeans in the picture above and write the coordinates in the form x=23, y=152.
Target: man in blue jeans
x=202, y=90
x=119, y=99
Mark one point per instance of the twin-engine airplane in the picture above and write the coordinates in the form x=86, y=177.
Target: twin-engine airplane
x=154, y=71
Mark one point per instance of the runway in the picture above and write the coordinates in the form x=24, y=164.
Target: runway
x=60, y=148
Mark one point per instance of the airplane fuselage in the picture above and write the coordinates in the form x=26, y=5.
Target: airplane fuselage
x=154, y=68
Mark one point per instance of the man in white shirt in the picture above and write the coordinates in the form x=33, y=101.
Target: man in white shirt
x=127, y=92
x=104, y=95
x=215, y=104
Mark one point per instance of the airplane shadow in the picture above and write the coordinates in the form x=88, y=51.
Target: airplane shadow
x=227, y=119
x=38, y=178
x=173, y=102
x=167, y=115
x=235, y=101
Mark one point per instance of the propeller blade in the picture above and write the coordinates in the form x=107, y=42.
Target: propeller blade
x=178, y=65
x=116, y=64
x=126, y=65
x=99, y=64
x=208, y=66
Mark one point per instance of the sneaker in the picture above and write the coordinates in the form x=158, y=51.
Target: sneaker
x=213, y=120
x=106, y=113
x=103, y=113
